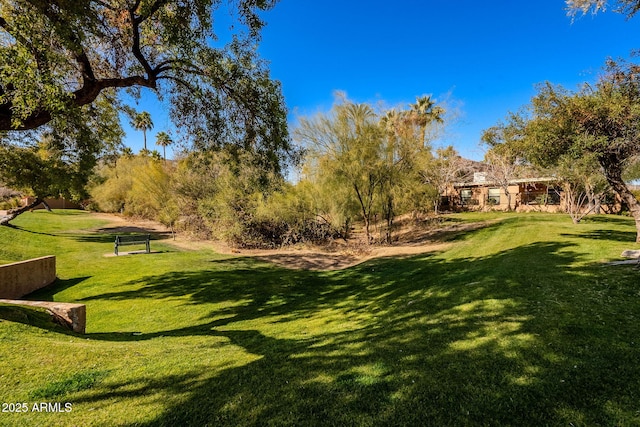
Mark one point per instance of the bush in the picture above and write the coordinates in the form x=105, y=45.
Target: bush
x=9, y=204
x=9, y=198
x=139, y=186
x=274, y=233
x=216, y=195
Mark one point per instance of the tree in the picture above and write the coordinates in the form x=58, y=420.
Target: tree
x=346, y=144
x=63, y=55
x=142, y=121
x=502, y=168
x=42, y=172
x=506, y=150
x=423, y=113
x=442, y=172
x=407, y=159
x=601, y=120
x=628, y=7
x=163, y=139
x=126, y=152
x=583, y=184
x=377, y=155
x=60, y=161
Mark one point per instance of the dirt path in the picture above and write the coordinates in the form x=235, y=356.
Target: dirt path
x=336, y=256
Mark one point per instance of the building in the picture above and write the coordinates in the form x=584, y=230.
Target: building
x=57, y=203
x=524, y=195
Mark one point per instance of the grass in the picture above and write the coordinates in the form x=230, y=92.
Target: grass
x=517, y=323
x=76, y=382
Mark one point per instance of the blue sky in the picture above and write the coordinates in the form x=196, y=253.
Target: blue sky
x=484, y=57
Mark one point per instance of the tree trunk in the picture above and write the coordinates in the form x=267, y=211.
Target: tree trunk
x=613, y=173
x=389, y=217
x=347, y=229
x=13, y=213
x=597, y=209
x=366, y=228
x=46, y=205
x=365, y=214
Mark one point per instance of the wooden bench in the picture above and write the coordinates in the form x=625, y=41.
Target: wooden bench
x=132, y=240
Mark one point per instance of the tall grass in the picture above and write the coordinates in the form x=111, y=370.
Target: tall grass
x=517, y=323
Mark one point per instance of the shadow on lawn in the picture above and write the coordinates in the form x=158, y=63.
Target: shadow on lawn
x=106, y=235
x=608, y=219
x=48, y=293
x=103, y=235
x=418, y=341
x=612, y=235
x=19, y=228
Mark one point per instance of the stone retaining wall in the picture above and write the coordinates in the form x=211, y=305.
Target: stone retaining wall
x=22, y=278
x=72, y=316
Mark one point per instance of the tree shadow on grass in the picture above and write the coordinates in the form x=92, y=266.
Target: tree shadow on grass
x=611, y=235
x=19, y=228
x=109, y=235
x=104, y=235
x=608, y=219
x=47, y=293
x=516, y=338
x=451, y=231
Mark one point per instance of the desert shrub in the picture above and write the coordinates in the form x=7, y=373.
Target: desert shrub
x=222, y=196
x=9, y=198
x=273, y=233
x=10, y=203
x=139, y=186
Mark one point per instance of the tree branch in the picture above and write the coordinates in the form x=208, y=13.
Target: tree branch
x=135, y=46
x=83, y=96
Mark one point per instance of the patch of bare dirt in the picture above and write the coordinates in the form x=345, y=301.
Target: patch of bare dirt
x=122, y=224
x=410, y=239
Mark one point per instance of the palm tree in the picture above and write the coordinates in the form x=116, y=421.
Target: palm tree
x=142, y=121
x=424, y=112
x=390, y=121
x=127, y=152
x=391, y=124
x=361, y=114
x=163, y=139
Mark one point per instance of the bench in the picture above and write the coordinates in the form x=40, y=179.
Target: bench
x=132, y=240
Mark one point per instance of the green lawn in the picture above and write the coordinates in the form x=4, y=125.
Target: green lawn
x=517, y=323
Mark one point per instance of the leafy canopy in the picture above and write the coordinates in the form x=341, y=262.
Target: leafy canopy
x=64, y=54
x=628, y=7
x=59, y=160
x=597, y=126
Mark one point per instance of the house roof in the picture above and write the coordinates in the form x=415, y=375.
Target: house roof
x=479, y=180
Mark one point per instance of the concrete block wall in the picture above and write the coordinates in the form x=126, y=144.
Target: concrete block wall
x=22, y=278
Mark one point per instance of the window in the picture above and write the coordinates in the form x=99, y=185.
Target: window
x=466, y=196
x=494, y=196
x=553, y=196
